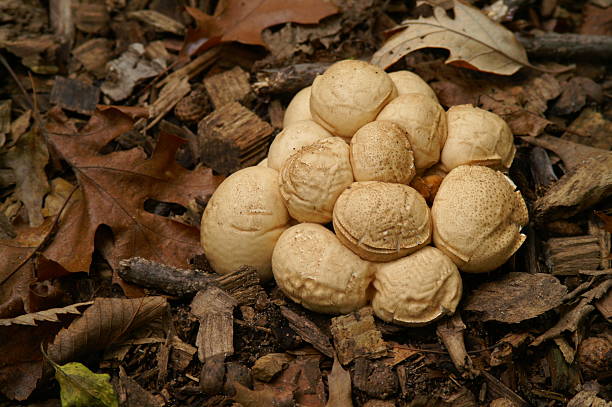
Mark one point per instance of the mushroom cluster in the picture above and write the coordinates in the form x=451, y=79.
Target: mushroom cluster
x=336, y=213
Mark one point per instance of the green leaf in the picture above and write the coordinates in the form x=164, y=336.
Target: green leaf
x=80, y=387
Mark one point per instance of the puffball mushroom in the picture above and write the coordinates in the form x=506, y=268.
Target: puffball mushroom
x=476, y=136
x=243, y=220
x=299, y=108
x=424, y=120
x=382, y=221
x=314, y=269
x=408, y=82
x=380, y=151
x=349, y=94
x=292, y=138
x=417, y=289
x=312, y=179
x=477, y=218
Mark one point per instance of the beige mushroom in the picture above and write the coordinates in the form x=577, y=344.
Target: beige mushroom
x=314, y=269
x=312, y=179
x=424, y=120
x=417, y=289
x=243, y=220
x=292, y=138
x=380, y=151
x=263, y=163
x=348, y=95
x=408, y=82
x=299, y=108
x=382, y=221
x=476, y=136
x=477, y=218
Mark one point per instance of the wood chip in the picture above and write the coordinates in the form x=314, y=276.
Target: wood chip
x=214, y=308
x=94, y=55
x=92, y=18
x=74, y=95
x=568, y=255
x=232, y=137
x=308, y=331
x=229, y=86
x=160, y=22
x=356, y=335
x=375, y=378
x=268, y=366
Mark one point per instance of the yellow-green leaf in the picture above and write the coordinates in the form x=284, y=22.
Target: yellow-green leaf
x=80, y=387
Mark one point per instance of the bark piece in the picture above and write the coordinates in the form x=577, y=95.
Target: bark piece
x=451, y=332
x=160, y=22
x=600, y=230
x=375, y=378
x=62, y=20
x=168, y=97
x=517, y=297
x=92, y=18
x=194, y=106
x=288, y=79
x=229, y=86
x=588, y=184
x=94, y=55
x=568, y=46
x=214, y=307
x=74, y=95
x=356, y=335
x=268, y=366
x=568, y=255
x=572, y=154
x=232, y=137
x=181, y=353
x=308, y=331
x=587, y=398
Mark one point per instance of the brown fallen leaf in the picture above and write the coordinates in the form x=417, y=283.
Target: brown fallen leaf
x=572, y=154
x=516, y=297
x=474, y=41
x=240, y=21
x=340, y=387
x=264, y=397
x=104, y=323
x=114, y=189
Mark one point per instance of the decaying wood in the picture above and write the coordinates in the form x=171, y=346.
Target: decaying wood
x=568, y=46
x=232, y=137
x=194, y=106
x=229, y=86
x=74, y=95
x=308, y=331
x=605, y=241
x=375, y=378
x=168, y=97
x=355, y=335
x=577, y=190
x=288, y=79
x=62, y=21
x=92, y=18
x=568, y=255
x=214, y=307
x=450, y=331
x=243, y=284
x=572, y=154
x=194, y=67
x=541, y=169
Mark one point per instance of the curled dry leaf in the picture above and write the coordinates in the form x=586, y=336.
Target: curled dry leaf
x=474, y=41
x=102, y=324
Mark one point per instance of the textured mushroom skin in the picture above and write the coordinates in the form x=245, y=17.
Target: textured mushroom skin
x=382, y=221
x=349, y=94
x=476, y=136
x=477, y=217
x=314, y=269
x=243, y=220
x=312, y=179
x=408, y=82
x=299, y=108
x=425, y=122
x=417, y=289
x=380, y=151
x=292, y=138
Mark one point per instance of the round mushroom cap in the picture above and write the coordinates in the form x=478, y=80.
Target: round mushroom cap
x=243, y=220
x=263, y=163
x=292, y=138
x=417, y=289
x=314, y=269
x=408, y=82
x=476, y=136
x=312, y=179
x=348, y=95
x=424, y=120
x=382, y=221
x=380, y=151
x=299, y=108
x=477, y=217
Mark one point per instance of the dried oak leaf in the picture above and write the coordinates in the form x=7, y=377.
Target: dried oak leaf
x=114, y=188
x=474, y=41
x=241, y=21
x=104, y=323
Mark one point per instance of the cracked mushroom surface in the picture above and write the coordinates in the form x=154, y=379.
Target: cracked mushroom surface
x=348, y=95
x=382, y=221
x=478, y=137
x=292, y=138
x=477, y=218
x=417, y=289
x=380, y=151
x=425, y=122
x=243, y=220
x=312, y=179
x=314, y=269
